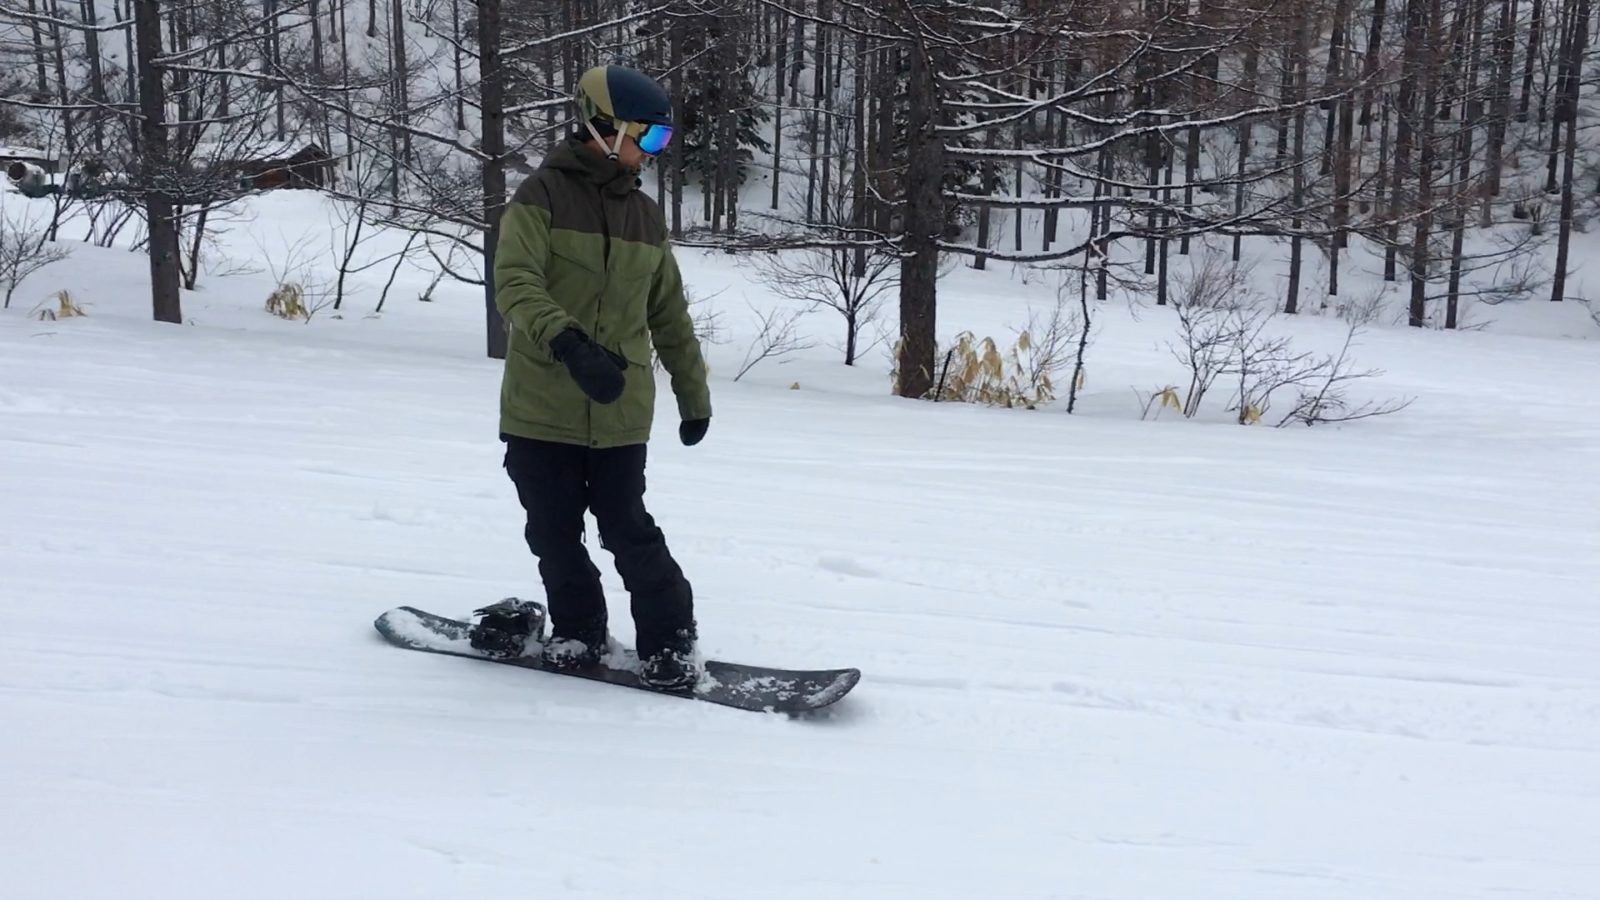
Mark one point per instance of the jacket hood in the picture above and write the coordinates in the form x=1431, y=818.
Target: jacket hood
x=576, y=157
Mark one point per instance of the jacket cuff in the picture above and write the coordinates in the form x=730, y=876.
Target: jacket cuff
x=695, y=406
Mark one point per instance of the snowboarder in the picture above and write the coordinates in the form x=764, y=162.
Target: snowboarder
x=587, y=283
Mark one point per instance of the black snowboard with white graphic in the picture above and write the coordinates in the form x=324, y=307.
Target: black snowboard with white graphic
x=753, y=688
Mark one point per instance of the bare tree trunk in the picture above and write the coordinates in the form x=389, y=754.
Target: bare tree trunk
x=1052, y=176
x=1092, y=256
x=798, y=59
x=39, y=54
x=1405, y=122
x=980, y=261
x=191, y=275
x=1102, y=285
x=1423, y=231
x=1344, y=160
x=344, y=78
x=273, y=61
x=178, y=40
x=858, y=175
x=1369, y=66
x=1191, y=167
x=1164, y=245
x=97, y=77
x=1568, y=110
x=1381, y=177
x=1500, y=105
x=675, y=61
x=1535, y=34
x=1472, y=104
x=550, y=55
x=456, y=62
x=1291, y=302
x=1333, y=81
x=1285, y=91
x=819, y=86
x=780, y=68
x=1252, y=62
x=919, y=268
x=1565, y=71
x=225, y=98
x=491, y=90
x=131, y=75
x=163, y=225
x=886, y=77
x=63, y=96
x=1017, y=177
x=319, y=73
x=722, y=144
x=402, y=76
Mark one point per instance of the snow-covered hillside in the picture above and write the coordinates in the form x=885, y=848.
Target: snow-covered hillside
x=1103, y=657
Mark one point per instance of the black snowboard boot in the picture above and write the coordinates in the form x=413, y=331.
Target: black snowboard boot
x=669, y=663
x=576, y=648
x=670, y=668
x=666, y=658
x=504, y=629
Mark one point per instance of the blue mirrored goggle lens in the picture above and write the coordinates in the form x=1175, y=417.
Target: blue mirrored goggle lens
x=655, y=138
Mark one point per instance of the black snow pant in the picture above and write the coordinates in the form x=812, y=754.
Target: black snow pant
x=556, y=483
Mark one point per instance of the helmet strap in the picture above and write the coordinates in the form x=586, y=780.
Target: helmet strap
x=616, y=147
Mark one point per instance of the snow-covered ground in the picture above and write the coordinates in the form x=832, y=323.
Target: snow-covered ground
x=1103, y=657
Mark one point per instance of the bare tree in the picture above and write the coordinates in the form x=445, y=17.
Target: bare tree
x=1322, y=396
x=777, y=336
x=25, y=248
x=851, y=281
x=827, y=278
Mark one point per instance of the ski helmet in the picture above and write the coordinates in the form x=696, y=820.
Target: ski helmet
x=617, y=100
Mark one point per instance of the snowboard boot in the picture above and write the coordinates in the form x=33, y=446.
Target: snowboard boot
x=575, y=648
x=669, y=669
x=504, y=628
x=669, y=664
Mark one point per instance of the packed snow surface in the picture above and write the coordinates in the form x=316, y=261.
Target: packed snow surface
x=1102, y=657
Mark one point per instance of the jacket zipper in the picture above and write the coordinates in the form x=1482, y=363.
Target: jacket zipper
x=599, y=302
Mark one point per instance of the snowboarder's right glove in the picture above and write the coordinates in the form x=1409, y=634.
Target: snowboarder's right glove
x=595, y=369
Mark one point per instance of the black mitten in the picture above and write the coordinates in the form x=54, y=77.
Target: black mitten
x=595, y=370
x=691, y=431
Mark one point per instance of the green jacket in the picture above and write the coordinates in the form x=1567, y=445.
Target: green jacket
x=581, y=245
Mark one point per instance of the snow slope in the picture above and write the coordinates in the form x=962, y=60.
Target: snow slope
x=1103, y=658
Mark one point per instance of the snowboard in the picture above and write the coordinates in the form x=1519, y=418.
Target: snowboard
x=746, y=687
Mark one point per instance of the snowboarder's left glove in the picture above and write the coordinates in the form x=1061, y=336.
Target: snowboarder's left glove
x=692, y=430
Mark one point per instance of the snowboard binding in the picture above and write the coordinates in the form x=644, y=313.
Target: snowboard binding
x=503, y=629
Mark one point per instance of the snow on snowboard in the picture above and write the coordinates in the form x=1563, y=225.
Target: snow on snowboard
x=753, y=688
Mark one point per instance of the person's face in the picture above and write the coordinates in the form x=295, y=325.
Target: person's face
x=630, y=155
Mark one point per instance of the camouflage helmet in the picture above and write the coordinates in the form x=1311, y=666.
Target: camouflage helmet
x=614, y=97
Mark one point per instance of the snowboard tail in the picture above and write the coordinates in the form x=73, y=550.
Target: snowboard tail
x=736, y=685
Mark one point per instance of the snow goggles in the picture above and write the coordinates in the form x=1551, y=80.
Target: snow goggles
x=654, y=138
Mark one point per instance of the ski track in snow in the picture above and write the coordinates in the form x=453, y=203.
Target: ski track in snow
x=1102, y=658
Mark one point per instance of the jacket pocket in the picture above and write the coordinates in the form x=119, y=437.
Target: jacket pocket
x=576, y=275
x=632, y=268
x=533, y=390
x=586, y=251
x=637, y=409
x=636, y=349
